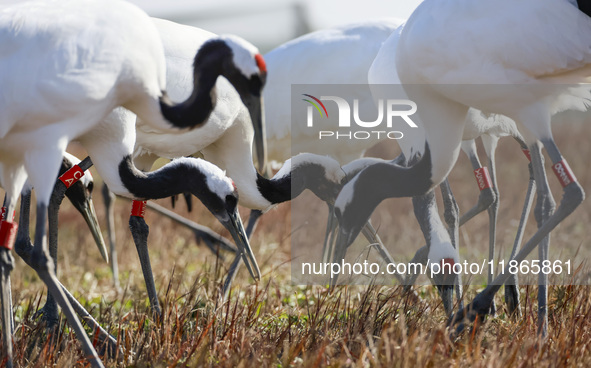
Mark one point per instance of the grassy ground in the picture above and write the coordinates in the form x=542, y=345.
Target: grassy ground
x=274, y=323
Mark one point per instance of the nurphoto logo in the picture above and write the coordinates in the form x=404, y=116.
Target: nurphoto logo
x=389, y=113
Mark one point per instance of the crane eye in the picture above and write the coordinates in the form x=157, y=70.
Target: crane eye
x=231, y=201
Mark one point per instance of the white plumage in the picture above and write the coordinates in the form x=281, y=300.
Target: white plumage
x=332, y=56
x=65, y=65
x=532, y=56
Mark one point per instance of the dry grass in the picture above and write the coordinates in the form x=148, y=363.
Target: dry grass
x=274, y=323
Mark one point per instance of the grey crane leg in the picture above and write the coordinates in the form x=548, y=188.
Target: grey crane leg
x=214, y=241
x=9, y=287
x=6, y=266
x=232, y=271
x=451, y=215
x=41, y=261
x=23, y=247
x=487, y=200
x=493, y=211
x=139, y=231
x=573, y=195
x=98, y=330
x=109, y=201
x=486, y=196
x=512, y=285
x=253, y=220
x=50, y=310
x=545, y=206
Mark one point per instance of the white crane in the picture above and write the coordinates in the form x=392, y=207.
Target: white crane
x=236, y=108
x=382, y=76
x=226, y=140
x=80, y=195
x=537, y=62
x=354, y=54
x=68, y=64
x=78, y=187
x=332, y=56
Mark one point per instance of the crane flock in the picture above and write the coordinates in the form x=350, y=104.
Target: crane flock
x=106, y=74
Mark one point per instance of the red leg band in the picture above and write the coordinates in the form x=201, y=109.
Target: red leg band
x=7, y=234
x=71, y=176
x=3, y=214
x=527, y=154
x=563, y=172
x=483, y=178
x=138, y=208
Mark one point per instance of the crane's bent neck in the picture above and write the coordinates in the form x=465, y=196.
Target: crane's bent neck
x=196, y=109
x=171, y=179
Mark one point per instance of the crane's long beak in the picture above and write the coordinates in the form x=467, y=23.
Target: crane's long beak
x=236, y=229
x=87, y=211
x=329, y=236
x=255, y=106
x=446, y=292
x=344, y=240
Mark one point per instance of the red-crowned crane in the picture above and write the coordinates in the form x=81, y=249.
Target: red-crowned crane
x=68, y=64
x=534, y=66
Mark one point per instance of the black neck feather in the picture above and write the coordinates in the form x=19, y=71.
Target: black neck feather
x=275, y=190
x=210, y=61
x=585, y=6
x=310, y=176
x=167, y=181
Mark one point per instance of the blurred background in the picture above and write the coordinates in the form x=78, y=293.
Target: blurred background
x=268, y=23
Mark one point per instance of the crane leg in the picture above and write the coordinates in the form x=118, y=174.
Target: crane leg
x=6, y=266
x=50, y=310
x=573, y=196
x=39, y=259
x=109, y=201
x=23, y=247
x=7, y=277
x=512, y=285
x=545, y=206
x=487, y=195
x=493, y=211
x=139, y=231
x=253, y=220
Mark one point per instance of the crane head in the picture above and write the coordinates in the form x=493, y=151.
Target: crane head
x=245, y=68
